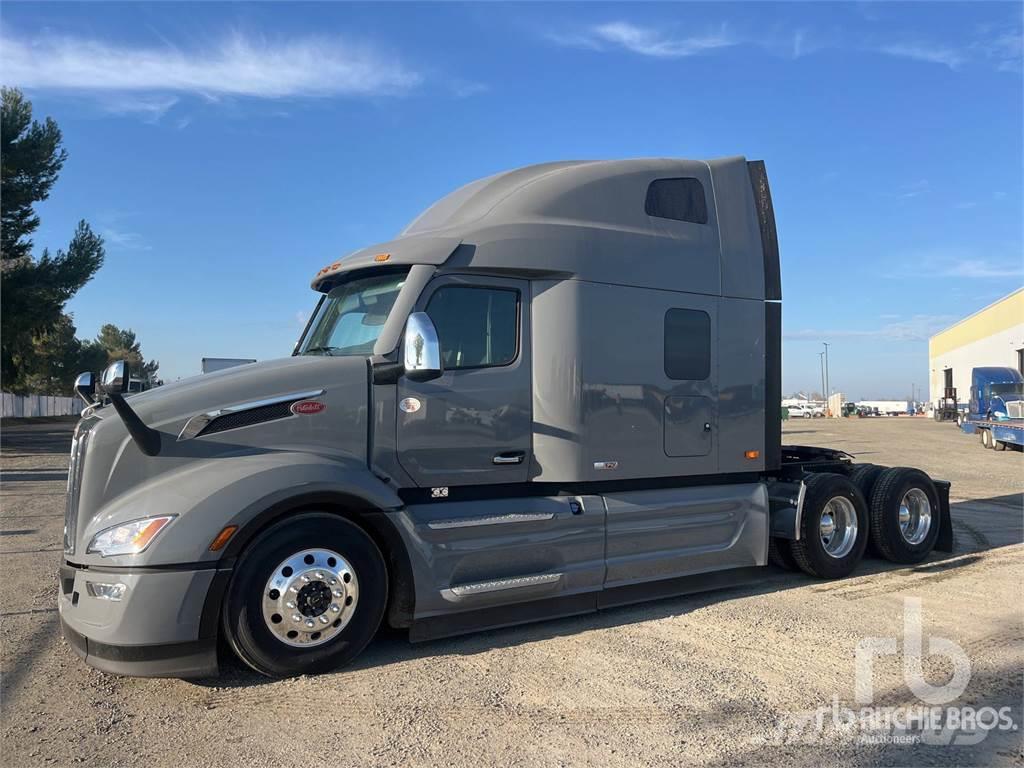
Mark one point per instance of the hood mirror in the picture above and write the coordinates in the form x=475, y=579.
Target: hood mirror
x=422, y=349
x=115, y=378
x=85, y=387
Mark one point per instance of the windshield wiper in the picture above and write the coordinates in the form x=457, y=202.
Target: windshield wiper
x=321, y=350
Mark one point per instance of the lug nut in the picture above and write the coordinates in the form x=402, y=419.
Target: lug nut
x=336, y=592
x=290, y=604
x=335, y=608
x=324, y=620
x=296, y=617
x=309, y=623
x=333, y=582
x=318, y=575
x=305, y=578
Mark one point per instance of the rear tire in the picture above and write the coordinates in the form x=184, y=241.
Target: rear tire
x=986, y=438
x=833, y=527
x=780, y=554
x=998, y=445
x=904, y=515
x=347, y=586
x=864, y=476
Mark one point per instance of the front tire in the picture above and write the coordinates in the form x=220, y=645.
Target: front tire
x=306, y=596
x=833, y=527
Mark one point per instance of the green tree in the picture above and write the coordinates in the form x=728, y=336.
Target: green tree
x=34, y=290
x=122, y=344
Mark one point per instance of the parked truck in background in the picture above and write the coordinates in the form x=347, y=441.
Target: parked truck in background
x=557, y=390
x=996, y=411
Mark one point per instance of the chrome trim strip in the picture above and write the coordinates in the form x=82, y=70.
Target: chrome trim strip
x=799, y=509
x=196, y=424
x=471, y=522
x=456, y=593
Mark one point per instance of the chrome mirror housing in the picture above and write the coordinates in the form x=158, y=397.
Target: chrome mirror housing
x=422, y=349
x=85, y=387
x=115, y=378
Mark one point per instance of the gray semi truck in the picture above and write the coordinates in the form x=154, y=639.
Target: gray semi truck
x=557, y=390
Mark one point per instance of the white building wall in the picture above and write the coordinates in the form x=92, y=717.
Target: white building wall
x=999, y=349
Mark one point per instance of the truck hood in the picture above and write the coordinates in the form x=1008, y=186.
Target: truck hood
x=110, y=464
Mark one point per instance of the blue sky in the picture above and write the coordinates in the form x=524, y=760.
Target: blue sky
x=227, y=152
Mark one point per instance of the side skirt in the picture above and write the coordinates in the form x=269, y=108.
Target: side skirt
x=574, y=605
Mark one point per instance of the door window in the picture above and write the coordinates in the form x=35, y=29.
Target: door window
x=477, y=327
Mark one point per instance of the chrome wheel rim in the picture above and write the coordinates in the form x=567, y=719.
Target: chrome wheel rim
x=310, y=598
x=915, y=516
x=837, y=527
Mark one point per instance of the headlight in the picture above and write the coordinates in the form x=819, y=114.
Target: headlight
x=128, y=538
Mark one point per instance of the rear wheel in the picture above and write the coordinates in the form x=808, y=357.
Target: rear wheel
x=864, y=477
x=833, y=527
x=998, y=445
x=904, y=515
x=986, y=438
x=306, y=596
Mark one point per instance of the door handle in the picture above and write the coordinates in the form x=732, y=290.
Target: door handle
x=510, y=457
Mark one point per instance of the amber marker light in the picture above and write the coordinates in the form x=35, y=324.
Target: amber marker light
x=382, y=257
x=752, y=454
x=223, y=538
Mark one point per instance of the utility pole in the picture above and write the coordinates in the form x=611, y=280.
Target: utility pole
x=821, y=365
x=827, y=410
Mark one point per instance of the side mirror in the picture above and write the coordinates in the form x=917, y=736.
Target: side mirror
x=115, y=378
x=422, y=349
x=85, y=387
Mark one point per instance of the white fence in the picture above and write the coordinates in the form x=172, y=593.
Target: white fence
x=40, y=405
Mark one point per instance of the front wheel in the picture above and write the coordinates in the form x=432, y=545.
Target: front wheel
x=833, y=527
x=306, y=596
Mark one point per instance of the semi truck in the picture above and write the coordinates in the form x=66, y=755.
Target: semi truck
x=554, y=392
x=996, y=410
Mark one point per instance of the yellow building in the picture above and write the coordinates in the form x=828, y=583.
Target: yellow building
x=991, y=336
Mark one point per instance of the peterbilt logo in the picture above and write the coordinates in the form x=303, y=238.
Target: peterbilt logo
x=307, y=407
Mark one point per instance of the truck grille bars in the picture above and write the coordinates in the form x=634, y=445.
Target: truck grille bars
x=74, y=488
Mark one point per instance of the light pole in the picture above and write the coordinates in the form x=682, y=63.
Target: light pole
x=821, y=365
x=827, y=409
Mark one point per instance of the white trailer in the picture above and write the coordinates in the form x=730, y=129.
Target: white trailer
x=211, y=364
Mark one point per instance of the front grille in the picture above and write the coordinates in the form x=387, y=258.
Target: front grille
x=248, y=418
x=74, y=488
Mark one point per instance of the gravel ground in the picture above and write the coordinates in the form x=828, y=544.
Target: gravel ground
x=704, y=680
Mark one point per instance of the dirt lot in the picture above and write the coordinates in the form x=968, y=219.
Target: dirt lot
x=702, y=680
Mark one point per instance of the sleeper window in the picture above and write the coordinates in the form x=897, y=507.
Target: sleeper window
x=680, y=199
x=687, y=344
x=477, y=327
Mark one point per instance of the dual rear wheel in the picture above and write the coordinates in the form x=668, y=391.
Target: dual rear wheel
x=892, y=511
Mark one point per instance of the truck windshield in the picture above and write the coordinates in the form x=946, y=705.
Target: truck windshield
x=1013, y=388
x=352, y=316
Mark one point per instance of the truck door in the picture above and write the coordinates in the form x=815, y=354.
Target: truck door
x=472, y=425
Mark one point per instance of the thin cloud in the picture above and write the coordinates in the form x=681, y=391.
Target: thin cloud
x=933, y=54
x=960, y=263
x=645, y=41
x=916, y=328
x=913, y=189
x=125, y=241
x=982, y=268
x=235, y=66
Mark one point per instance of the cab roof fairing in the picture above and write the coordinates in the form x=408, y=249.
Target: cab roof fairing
x=570, y=218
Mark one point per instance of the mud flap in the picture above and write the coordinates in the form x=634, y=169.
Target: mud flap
x=945, y=541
